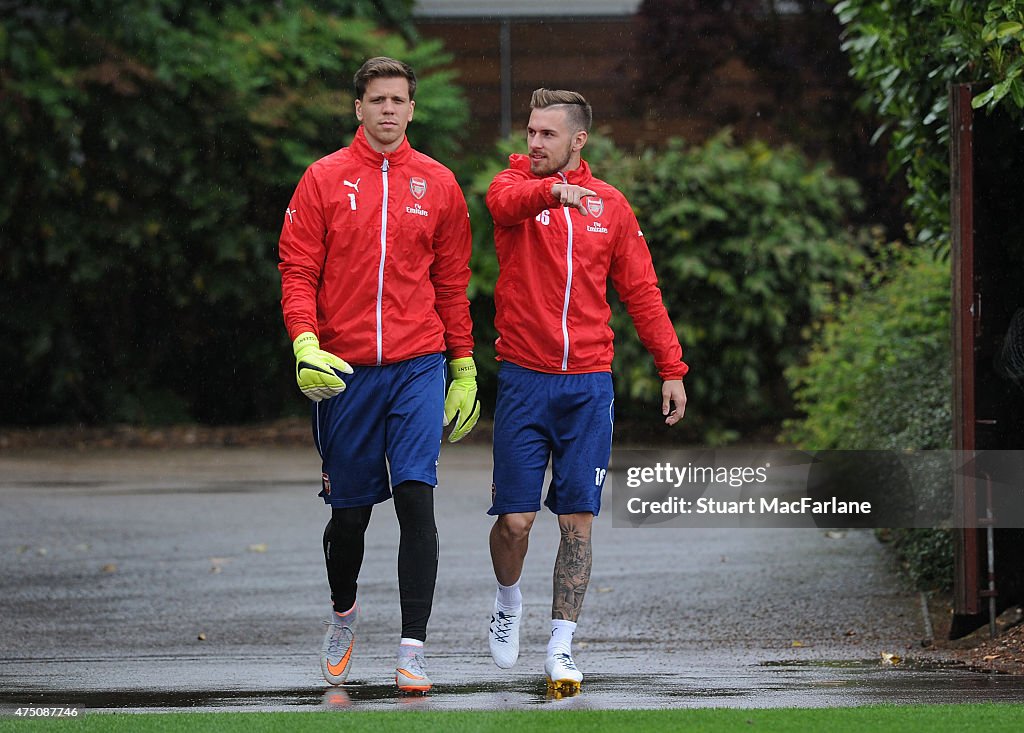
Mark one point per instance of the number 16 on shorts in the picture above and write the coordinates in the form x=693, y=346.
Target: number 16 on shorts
x=599, y=474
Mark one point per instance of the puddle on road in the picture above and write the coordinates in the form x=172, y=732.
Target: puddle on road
x=317, y=697
x=821, y=683
x=914, y=665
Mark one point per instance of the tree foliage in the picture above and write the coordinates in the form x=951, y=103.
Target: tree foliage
x=906, y=53
x=149, y=151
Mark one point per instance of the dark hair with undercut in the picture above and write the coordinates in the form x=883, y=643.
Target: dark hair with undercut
x=383, y=67
x=577, y=108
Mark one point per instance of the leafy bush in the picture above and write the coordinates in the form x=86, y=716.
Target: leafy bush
x=878, y=375
x=926, y=555
x=150, y=149
x=750, y=246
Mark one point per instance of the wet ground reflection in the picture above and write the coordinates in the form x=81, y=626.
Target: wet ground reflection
x=770, y=684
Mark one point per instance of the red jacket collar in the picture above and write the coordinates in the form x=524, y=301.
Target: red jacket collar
x=579, y=177
x=361, y=146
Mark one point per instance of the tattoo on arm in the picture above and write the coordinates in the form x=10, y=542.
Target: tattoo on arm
x=572, y=574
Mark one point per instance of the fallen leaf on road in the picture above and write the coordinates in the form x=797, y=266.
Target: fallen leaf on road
x=217, y=563
x=262, y=547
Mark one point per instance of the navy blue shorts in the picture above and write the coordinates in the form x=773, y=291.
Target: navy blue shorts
x=388, y=417
x=564, y=418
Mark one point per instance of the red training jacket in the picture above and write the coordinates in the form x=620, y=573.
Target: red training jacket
x=374, y=256
x=554, y=264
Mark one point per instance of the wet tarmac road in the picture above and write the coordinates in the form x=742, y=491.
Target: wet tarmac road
x=193, y=579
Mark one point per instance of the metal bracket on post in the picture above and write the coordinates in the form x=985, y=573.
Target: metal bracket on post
x=988, y=522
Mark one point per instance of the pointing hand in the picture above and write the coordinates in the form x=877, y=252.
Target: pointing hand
x=571, y=195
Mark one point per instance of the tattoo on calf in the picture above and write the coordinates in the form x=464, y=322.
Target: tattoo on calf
x=572, y=574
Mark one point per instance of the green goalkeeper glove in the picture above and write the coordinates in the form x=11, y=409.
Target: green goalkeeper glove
x=461, y=399
x=317, y=372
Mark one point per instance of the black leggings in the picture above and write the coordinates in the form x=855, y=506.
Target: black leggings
x=417, y=554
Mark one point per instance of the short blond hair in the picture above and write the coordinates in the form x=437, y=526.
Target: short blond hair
x=577, y=108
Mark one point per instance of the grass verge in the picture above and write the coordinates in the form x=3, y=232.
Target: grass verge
x=990, y=717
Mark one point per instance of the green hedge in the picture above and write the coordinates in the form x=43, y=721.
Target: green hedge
x=878, y=375
x=149, y=152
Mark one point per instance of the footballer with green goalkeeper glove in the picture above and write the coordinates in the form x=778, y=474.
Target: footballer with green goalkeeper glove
x=367, y=277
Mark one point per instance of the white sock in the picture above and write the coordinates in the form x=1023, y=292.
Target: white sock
x=408, y=644
x=561, y=637
x=509, y=597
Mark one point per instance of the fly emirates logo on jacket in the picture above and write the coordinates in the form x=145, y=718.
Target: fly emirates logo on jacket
x=418, y=188
x=595, y=205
